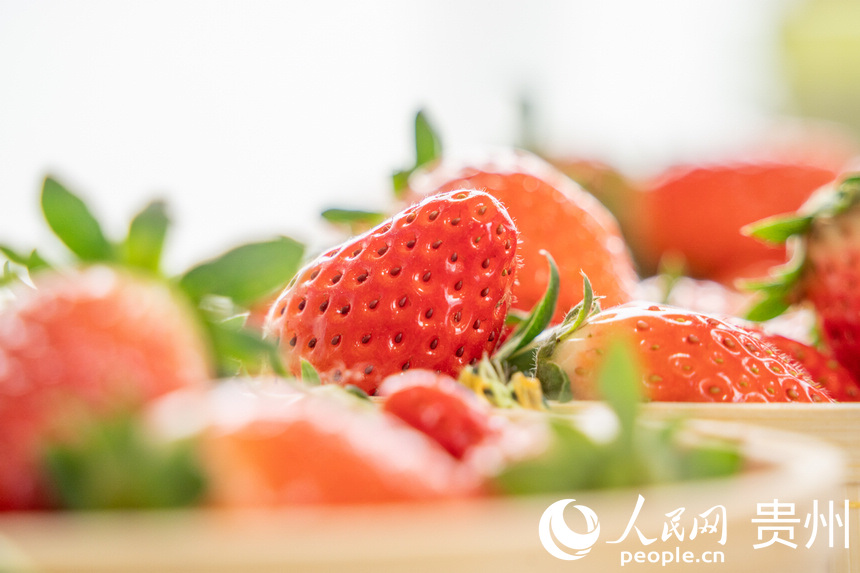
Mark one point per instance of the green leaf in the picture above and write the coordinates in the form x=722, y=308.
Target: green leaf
x=539, y=318
x=144, y=243
x=115, y=464
x=554, y=381
x=14, y=256
x=571, y=463
x=246, y=274
x=309, y=374
x=619, y=384
x=777, y=230
x=242, y=351
x=74, y=224
x=767, y=307
x=428, y=147
x=355, y=220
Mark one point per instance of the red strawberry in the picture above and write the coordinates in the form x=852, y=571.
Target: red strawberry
x=824, y=269
x=697, y=212
x=684, y=356
x=552, y=213
x=428, y=289
x=94, y=342
x=822, y=367
x=309, y=447
x=440, y=407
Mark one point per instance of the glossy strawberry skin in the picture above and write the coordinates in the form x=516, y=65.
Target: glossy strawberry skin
x=428, y=289
x=821, y=365
x=440, y=407
x=698, y=211
x=86, y=343
x=319, y=448
x=552, y=213
x=686, y=357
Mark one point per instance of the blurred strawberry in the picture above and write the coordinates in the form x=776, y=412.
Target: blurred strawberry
x=440, y=407
x=608, y=184
x=697, y=212
x=823, y=271
x=97, y=337
x=321, y=446
x=86, y=344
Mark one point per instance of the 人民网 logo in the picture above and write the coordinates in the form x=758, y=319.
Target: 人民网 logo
x=557, y=537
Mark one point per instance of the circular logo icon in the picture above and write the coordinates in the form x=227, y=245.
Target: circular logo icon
x=554, y=531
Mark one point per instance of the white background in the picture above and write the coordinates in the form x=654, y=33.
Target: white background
x=251, y=117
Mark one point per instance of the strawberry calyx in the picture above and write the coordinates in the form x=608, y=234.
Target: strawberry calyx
x=220, y=289
x=507, y=378
x=117, y=463
x=428, y=148
x=783, y=288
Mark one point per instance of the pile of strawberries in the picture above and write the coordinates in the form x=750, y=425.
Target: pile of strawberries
x=498, y=274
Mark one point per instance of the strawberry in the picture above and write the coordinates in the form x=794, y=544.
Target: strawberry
x=607, y=183
x=683, y=356
x=697, y=212
x=430, y=288
x=85, y=344
x=552, y=214
x=440, y=407
x=319, y=446
x=823, y=270
x=820, y=363
x=105, y=333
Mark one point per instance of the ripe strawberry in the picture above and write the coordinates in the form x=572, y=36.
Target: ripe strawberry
x=440, y=407
x=84, y=344
x=822, y=367
x=697, y=212
x=552, y=213
x=824, y=269
x=314, y=447
x=428, y=289
x=684, y=356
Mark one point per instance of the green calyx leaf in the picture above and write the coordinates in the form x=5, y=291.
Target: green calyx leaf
x=428, y=148
x=619, y=384
x=239, y=350
x=554, y=381
x=774, y=296
x=355, y=221
x=310, y=375
x=144, y=243
x=74, y=224
x=777, y=230
x=116, y=464
x=17, y=265
x=246, y=274
x=536, y=321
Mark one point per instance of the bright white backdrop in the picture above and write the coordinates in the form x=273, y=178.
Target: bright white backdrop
x=251, y=117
